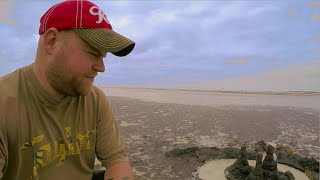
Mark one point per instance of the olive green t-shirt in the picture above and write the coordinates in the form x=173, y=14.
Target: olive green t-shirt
x=41, y=138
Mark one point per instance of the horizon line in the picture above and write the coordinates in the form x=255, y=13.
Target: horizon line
x=264, y=92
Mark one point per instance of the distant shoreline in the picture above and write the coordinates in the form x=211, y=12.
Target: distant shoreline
x=292, y=93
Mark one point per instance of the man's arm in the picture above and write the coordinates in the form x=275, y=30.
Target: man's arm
x=119, y=171
x=110, y=149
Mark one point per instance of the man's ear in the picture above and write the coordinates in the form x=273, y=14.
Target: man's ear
x=50, y=40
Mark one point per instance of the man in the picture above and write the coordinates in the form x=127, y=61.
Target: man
x=53, y=121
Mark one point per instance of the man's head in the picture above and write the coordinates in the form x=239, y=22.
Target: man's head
x=75, y=36
x=89, y=22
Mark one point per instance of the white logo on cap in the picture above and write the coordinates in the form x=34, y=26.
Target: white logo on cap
x=99, y=13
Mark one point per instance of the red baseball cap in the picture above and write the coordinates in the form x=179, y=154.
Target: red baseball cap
x=89, y=22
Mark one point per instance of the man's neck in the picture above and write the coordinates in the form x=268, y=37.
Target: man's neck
x=43, y=81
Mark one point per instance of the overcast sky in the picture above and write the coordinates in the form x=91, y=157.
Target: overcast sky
x=232, y=45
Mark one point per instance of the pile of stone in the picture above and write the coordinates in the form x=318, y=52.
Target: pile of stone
x=264, y=170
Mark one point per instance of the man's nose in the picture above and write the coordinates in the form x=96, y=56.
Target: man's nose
x=99, y=65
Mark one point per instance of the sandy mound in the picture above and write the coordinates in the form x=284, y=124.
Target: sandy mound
x=214, y=169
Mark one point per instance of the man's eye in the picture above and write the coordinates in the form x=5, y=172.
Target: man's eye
x=94, y=54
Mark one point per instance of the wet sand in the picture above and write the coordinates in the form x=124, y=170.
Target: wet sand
x=153, y=122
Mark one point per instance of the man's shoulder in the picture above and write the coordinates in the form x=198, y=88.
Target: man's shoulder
x=9, y=90
x=99, y=96
x=98, y=92
x=9, y=84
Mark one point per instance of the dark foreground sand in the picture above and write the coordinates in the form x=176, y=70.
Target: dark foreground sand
x=150, y=129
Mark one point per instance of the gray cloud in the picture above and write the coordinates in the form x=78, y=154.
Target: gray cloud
x=315, y=17
x=291, y=78
x=313, y=4
x=6, y=12
x=240, y=61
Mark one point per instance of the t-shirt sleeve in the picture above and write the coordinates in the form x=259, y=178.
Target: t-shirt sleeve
x=109, y=146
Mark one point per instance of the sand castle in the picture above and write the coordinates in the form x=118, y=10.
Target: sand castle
x=264, y=170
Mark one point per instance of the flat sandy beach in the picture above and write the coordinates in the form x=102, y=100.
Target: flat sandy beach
x=154, y=121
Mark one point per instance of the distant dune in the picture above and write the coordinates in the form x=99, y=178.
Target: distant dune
x=303, y=99
x=295, y=93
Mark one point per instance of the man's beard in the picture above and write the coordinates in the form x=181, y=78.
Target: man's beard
x=65, y=83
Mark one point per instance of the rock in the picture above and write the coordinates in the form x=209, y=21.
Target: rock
x=259, y=161
x=281, y=176
x=281, y=154
x=269, y=163
x=269, y=166
x=264, y=170
x=240, y=169
x=230, y=153
x=308, y=165
x=311, y=174
x=261, y=146
x=242, y=163
x=206, y=153
x=301, y=163
x=202, y=158
x=288, y=150
x=257, y=173
x=289, y=175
